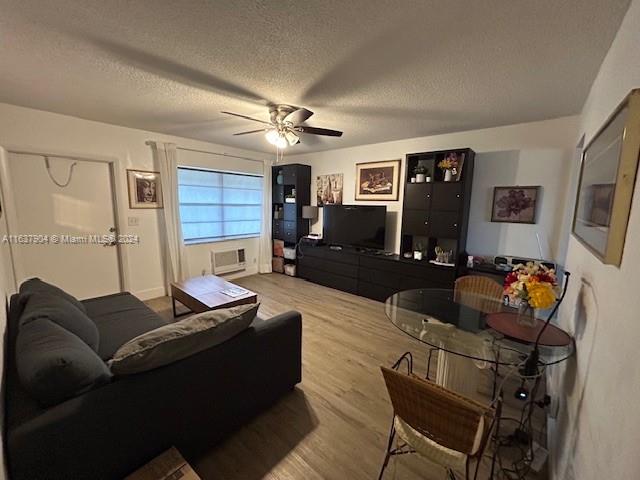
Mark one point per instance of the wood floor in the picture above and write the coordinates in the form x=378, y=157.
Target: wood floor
x=334, y=425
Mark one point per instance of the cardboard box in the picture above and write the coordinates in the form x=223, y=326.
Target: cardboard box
x=168, y=466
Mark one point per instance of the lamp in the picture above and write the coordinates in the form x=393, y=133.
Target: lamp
x=276, y=138
x=309, y=212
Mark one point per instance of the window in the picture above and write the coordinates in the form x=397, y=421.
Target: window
x=218, y=206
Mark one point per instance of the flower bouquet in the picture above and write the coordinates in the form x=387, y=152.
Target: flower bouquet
x=529, y=287
x=450, y=166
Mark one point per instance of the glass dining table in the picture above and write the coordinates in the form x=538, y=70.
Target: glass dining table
x=473, y=327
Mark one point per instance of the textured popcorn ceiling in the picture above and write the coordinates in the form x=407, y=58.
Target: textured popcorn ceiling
x=378, y=70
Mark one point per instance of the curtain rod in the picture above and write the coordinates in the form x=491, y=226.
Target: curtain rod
x=149, y=142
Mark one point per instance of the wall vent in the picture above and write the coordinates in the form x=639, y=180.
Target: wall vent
x=228, y=261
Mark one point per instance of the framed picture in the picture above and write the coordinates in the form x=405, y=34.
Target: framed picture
x=607, y=180
x=378, y=181
x=145, y=189
x=514, y=204
x=329, y=189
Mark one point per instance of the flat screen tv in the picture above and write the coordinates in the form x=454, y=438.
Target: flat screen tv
x=355, y=225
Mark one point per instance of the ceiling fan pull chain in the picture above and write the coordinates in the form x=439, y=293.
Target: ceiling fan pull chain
x=61, y=185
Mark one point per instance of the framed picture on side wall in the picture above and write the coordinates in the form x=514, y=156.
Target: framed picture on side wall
x=145, y=189
x=378, y=181
x=607, y=180
x=514, y=204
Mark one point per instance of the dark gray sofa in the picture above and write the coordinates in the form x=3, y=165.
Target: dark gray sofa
x=109, y=431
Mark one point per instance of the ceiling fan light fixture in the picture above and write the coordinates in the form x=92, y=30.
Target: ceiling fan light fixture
x=291, y=137
x=274, y=137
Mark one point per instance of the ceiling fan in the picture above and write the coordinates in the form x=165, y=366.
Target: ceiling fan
x=284, y=127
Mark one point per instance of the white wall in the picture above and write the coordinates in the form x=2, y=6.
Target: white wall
x=537, y=153
x=28, y=129
x=598, y=429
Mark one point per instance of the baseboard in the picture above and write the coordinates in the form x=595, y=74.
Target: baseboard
x=150, y=293
x=253, y=270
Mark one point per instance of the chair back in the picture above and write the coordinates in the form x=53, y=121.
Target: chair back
x=478, y=292
x=449, y=419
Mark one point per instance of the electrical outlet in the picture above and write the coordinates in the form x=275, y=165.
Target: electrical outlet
x=133, y=221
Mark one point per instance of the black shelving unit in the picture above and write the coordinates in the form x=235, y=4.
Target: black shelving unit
x=437, y=213
x=296, y=184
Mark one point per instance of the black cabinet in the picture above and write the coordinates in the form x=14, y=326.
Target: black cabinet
x=369, y=275
x=291, y=187
x=447, y=196
x=444, y=224
x=415, y=222
x=436, y=214
x=418, y=195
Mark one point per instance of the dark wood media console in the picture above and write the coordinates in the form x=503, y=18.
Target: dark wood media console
x=367, y=274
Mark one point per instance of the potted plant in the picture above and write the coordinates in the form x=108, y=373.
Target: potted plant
x=420, y=173
x=450, y=166
x=530, y=287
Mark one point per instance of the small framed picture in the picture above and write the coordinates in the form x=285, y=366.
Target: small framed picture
x=378, y=181
x=145, y=189
x=514, y=204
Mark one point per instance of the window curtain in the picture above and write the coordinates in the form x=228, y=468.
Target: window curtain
x=165, y=156
x=265, y=252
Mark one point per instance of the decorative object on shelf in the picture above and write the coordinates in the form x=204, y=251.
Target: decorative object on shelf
x=428, y=178
x=413, y=179
x=450, y=165
x=407, y=254
x=420, y=172
x=329, y=189
x=417, y=251
x=278, y=213
x=529, y=287
x=470, y=261
x=514, y=204
x=280, y=177
x=607, y=179
x=145, y=189
x=443, y=256
x=291, y=197
x=378, y=180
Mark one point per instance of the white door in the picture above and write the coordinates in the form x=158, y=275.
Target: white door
x=66, y=224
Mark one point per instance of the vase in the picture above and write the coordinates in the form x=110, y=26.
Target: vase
x=280, y=178
x=420, y=177
x=526, y=315
x=448, y=175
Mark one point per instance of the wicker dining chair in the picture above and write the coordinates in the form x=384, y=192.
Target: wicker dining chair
x=449, y=429
x=479, y=293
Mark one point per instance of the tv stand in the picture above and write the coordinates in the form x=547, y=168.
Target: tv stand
x=368, y=274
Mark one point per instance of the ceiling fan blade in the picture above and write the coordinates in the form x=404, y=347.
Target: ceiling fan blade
x=251, y=131
x=319, y=131
x=246, y=118
x=298, y=116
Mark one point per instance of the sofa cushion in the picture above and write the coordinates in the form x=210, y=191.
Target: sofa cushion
x=42, y=304
x=36, y=285
x=53, y=364
x=119, y=318
x=182, y=339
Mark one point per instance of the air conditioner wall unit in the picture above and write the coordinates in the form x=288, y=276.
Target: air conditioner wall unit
x=228, y=261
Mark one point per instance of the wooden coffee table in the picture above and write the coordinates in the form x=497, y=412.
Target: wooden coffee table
x=201, y=294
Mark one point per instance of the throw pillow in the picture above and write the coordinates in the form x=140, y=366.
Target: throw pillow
x=182, y=339
x=65, y=314
x=53, y=364
x=36, y=285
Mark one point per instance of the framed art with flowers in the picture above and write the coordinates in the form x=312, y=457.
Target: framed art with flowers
x=514, y=204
